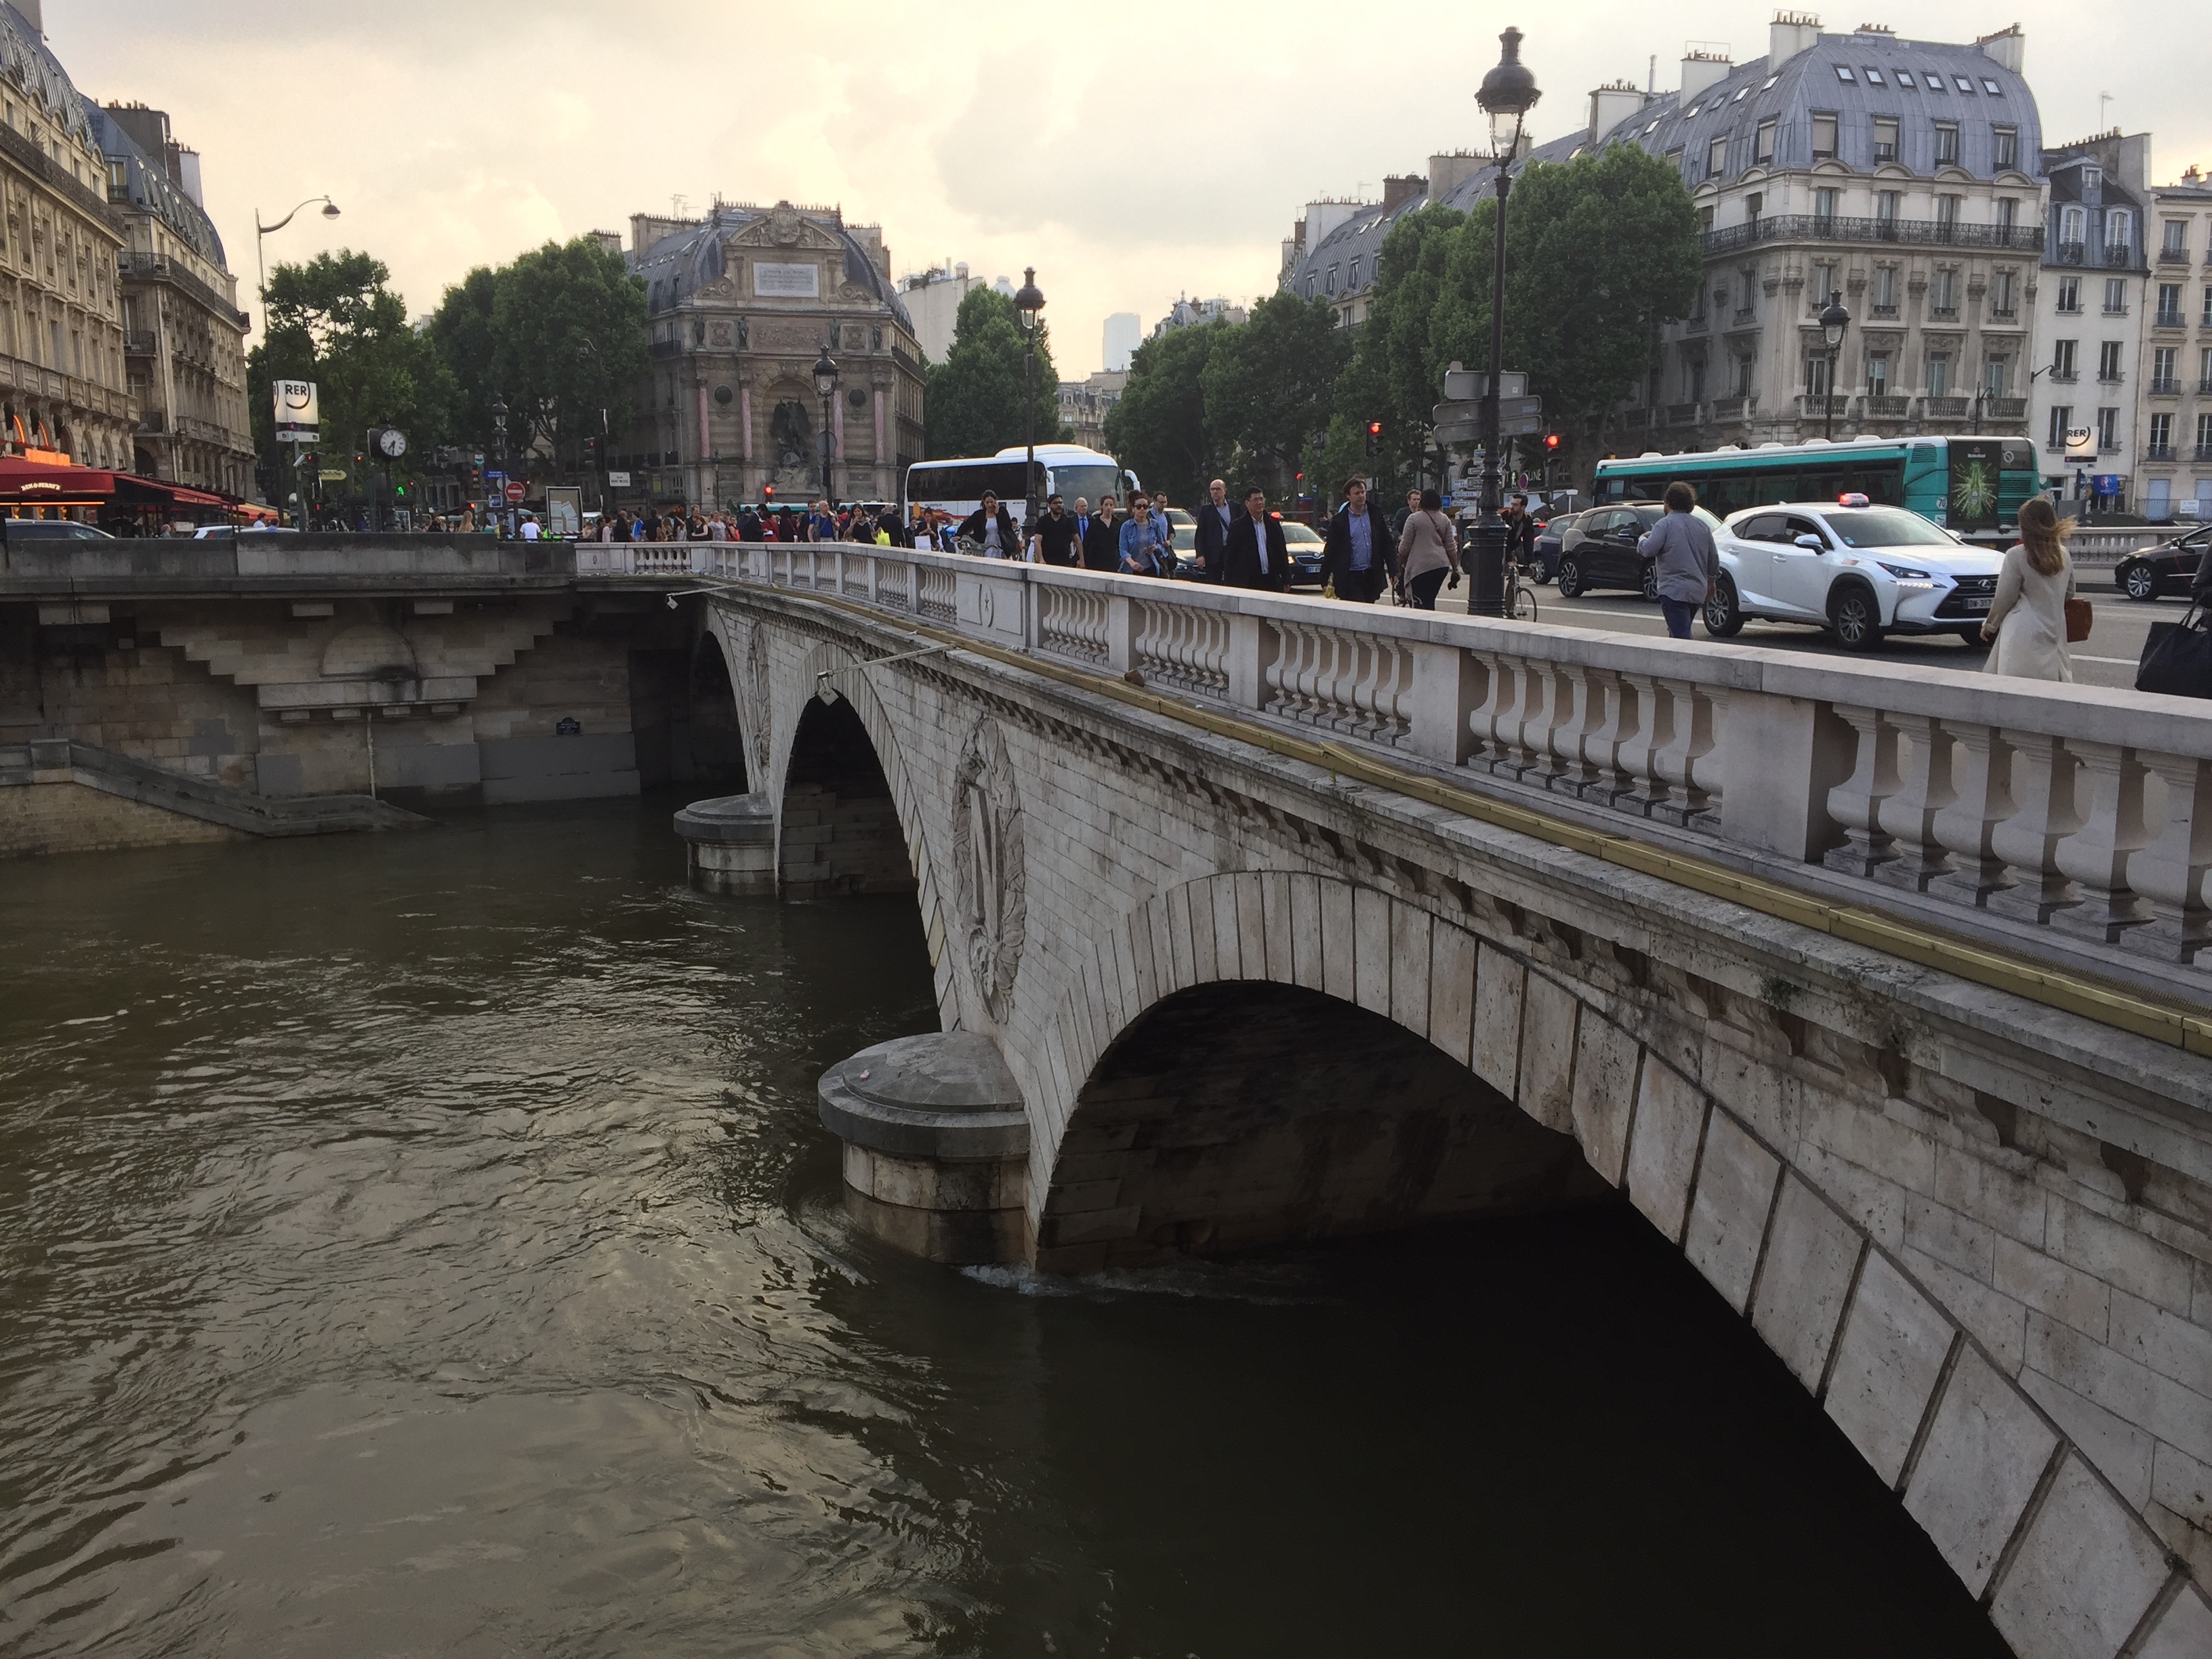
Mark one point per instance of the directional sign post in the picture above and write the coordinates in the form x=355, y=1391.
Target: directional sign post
x=1460, y=422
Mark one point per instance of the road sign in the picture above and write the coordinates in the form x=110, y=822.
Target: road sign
x=1460, y=422
x=1471, y=383
x=618, y=481
x=331, y=474
x=515, y=491
x=2080, y=444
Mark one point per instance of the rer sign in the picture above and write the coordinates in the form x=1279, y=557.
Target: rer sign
x=299, y=417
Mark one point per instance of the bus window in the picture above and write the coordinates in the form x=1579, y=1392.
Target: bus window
x=1774, y=487
x=1883, y=486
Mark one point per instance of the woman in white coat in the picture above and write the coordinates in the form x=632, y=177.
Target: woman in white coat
x=2027, y=618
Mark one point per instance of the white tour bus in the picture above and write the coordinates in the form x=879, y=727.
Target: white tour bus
x=1066, y=470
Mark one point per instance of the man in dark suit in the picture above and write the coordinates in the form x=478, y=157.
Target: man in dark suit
x=1214, y=519
x=1100, y=534
x=1255, y=555
x=1358, y=554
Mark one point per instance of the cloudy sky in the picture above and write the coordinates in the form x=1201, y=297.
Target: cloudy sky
x=1132, y=152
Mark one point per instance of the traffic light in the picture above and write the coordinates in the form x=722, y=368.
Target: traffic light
x=1375, y=437
x=1551, y=445
x=768, y=493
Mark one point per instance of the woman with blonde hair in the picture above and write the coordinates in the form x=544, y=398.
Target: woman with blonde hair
x=2027, y=618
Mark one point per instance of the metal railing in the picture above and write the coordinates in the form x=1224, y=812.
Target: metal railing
x=2065, y=820
x=2173, y=256
x=2169, y=320
x=2165, y=385
x=1908, y=232
x=2158, y=452
x=135, y=265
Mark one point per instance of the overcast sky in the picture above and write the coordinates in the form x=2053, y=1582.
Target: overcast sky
x=1163, y=150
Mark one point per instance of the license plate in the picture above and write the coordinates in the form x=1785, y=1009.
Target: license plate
x=1977, y=604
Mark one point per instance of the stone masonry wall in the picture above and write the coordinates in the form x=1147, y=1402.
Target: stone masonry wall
x=1979, y=1230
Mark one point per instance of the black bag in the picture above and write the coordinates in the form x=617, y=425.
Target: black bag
x=2177, y=657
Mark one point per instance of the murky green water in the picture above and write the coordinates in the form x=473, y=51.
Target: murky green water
x=425, y=1244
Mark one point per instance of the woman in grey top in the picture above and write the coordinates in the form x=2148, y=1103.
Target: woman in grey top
x=1681, y=549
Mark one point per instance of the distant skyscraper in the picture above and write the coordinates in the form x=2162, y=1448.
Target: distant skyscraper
x=1123, y=331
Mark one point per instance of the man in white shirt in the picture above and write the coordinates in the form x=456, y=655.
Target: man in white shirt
x=530, y=527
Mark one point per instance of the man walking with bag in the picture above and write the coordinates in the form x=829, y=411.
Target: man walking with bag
x=1360, y=554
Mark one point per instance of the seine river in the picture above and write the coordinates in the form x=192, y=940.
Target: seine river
x=423, y=1244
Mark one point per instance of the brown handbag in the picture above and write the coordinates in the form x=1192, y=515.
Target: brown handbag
x=2081, y=617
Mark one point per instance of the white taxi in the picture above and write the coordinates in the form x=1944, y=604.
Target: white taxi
x=1858, y=570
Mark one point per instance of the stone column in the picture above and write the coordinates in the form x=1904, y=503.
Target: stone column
x=730, y=844
x=936, y=1145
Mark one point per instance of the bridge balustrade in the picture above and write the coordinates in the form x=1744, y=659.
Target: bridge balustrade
x=2073, y=821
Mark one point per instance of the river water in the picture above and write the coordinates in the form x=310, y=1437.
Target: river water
x=425, y=1244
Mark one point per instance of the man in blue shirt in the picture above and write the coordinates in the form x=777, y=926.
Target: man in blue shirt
x=1359, y=556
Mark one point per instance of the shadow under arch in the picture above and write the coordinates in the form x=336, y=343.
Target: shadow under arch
x=717, y=734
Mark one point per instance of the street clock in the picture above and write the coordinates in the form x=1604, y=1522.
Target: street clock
x=389, y=442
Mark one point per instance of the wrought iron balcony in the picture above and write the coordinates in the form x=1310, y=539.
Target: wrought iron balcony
x=2158, y=452
x=2204, y=453
x=2173, y=256
x=2121, y=257
x=1884, y=310
x=2165, y=385
x=1827, y=228
x=137, y=345
x=2064, y=376
x=2071, y=253
x=2169, y=320
x=1944, y=313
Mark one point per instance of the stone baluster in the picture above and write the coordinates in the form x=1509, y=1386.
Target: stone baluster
x=1856, y=804
x=1654, y=729
x=2172, y=873
x=1497, y=692
x=1966, y=824
x=1908, y=816
x=1679, y=761
x=1615, y=727
x=2109, y=794
x=2044, y=815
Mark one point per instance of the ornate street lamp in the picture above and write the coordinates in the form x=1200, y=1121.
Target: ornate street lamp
x=1508, y=89
x=1028, y=301
x=499, y=454
x=1833, y=321
x=825, y=382
x=260, y=230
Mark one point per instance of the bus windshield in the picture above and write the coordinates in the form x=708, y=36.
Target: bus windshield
x=1088, y=480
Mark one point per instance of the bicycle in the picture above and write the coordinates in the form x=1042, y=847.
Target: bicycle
x=1520, y=597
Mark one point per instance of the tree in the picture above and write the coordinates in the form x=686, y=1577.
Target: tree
x=559, y=335
x=1600, y=252
x=1267, y=382
x=335, y=322
x=972, y=403
x=1158, y=429
x=1396, y=373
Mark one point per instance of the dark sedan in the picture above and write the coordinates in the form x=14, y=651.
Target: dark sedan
x=1548, y=545
x=1605, y=554
x=2169, y=567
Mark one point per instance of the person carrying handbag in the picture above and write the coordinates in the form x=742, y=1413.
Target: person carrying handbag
x=2027, y=618
x=1427, y=548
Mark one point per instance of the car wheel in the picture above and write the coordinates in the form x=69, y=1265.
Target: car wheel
x=1724, y=616
x=1854, y=615
x=1649, y=581
x=1570, y=579
x=2139, y=581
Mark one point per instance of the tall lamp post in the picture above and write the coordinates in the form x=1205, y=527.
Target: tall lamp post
x=1028, y=302
x=260, y=230
x=825, y=382
x=499, y=454
x=1508, y=89
x=1833, y=321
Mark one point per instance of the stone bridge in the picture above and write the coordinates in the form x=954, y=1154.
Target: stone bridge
x=1879, y=993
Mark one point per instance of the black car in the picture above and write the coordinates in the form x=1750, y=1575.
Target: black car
x=2169, y=567
x=1548, y=544
x=1605, y=553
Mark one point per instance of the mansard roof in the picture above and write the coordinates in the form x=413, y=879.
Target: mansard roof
x=151, y=187
x=682, y=263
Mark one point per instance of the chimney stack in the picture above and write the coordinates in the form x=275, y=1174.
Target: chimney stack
x=1609, y=105
x=1702, y=68
x=2007, y=46
x=1790, y=32
x=1401, y=187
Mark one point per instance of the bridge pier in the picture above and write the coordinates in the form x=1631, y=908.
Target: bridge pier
x=937, y=1144
x=729, y=844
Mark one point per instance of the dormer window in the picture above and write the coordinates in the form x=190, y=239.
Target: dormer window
x=2093, y=177
x=1763, y=145
x=2005, y=148
x=1741, y=93
x=1903, y=78
x=1767, y=85
x=1946, y=144
x=2073, y=225
x=1962, y=83
x=1824, y=138
x=1873, y=77
x=1932, y=81
x=1717, y=158
x=1885, y=138
x=1843, y=74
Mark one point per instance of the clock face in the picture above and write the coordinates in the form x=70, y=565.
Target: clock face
x=394, y=443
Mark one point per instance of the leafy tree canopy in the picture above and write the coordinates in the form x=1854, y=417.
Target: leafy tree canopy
x=973, y=400
x=1267, y=384
x=334, y=321
x=1158, y=427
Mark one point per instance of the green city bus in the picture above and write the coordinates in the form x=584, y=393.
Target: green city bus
x=1972, y=486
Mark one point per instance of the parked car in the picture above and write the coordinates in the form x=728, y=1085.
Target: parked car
x=1858, y=570
x=1549, y=544
x=1305, y=544
x=51, y=530
x=207, y=531
x=2169, y=567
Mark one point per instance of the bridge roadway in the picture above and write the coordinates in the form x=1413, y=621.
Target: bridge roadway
x=1879, y=991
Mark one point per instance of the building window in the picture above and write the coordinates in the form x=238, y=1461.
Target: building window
x=1843, y=74
x=1355, y=272
x=1886, y=204
x=1762, y=149
x=1717, y=158
x=2116, y=296
x=1946, y=215
x=1943, y=293
x=1946, y=144
x=1939, y=375
x=2062, y=416
x=1331, y=279
x=2108, y=360
x=1750, y=279
x=2206, y=318
x=2108, y=429
x=2063, y=363
x=1903, y=78
x=1823, y=284
x=1873, y=77
x=1824, y=138
x=2119, y=230
x=2008, y=212
x=1932, y=81
x=2204, y=369
x=2176, y=238
x=2203, y=439
x=1885, y=138
x=1698, y=380
x=1884, y=290
x=2166, y=369
x=1816, y=373
x=1824, y=211
x=1745, y=369
x=2005, y=148
x=1878, y=377
x=1996, y=376
x=2169, y=305
x=2001, y=289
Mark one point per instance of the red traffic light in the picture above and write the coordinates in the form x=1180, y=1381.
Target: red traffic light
x=1551, y=440
x=768, y=492
x=1375, y=428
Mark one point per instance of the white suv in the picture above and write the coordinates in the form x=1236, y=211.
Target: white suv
x=1859, y=571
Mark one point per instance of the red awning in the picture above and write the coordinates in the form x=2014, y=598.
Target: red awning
x=30, y=483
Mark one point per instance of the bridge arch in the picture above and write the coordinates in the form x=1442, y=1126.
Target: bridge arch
x=1980, y=1465
x=713, y=716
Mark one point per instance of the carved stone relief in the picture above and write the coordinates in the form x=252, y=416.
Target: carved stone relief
x=988, y=865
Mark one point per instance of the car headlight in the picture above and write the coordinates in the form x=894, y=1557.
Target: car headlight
x=1904, y=571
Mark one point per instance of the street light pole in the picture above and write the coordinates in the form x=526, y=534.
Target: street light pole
x=499, y=450
x=1028, y=302
x=825, y=382
x=1833, y=321
x=1508, y=89
x=260, y=230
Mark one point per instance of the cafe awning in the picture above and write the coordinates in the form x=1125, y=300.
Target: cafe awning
x=45, y=483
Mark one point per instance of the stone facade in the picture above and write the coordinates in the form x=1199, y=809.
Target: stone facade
x=741, y=304
x=1959, y=1221
x=2174, y=378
